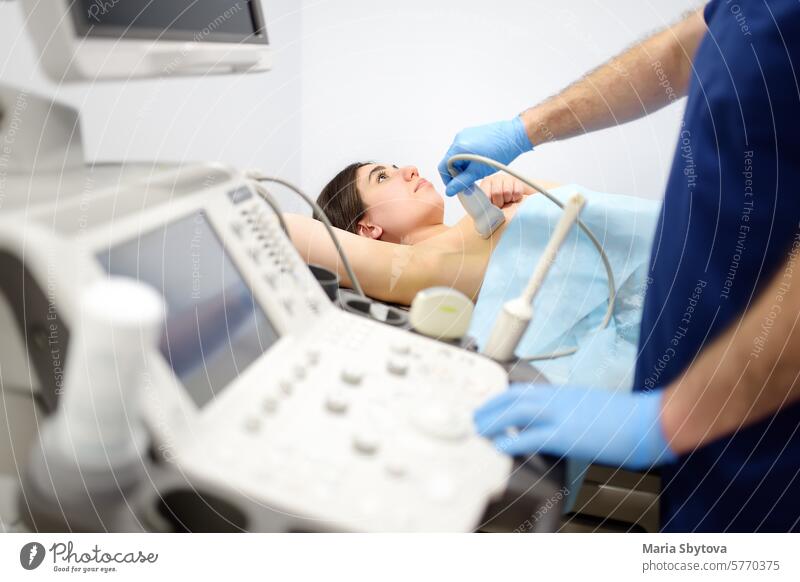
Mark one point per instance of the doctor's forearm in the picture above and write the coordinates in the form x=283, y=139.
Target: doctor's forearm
x=748, y=373
x=640, y=80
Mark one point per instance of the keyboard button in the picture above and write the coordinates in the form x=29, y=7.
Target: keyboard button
x=337, y=401
x=352, y=376
x=397, y=367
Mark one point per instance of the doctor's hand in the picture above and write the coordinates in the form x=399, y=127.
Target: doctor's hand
x=614, y=428
x=503, y=189
x=502, y=141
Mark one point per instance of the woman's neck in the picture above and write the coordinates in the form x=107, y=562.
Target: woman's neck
x=424, y=233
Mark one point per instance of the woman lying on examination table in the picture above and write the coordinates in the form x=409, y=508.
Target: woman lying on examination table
x=390, y=222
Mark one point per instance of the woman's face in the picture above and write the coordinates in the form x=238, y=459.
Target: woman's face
x=398, y=201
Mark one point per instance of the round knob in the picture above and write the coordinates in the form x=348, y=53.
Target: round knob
x=441, y=423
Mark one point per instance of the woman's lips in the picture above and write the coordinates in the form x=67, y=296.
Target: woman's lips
x=421, y=184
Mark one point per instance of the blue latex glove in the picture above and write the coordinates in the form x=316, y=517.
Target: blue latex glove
x=614, y=428
x=502, y=141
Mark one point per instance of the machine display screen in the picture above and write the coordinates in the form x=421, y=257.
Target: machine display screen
x=214, y=328
x=197, y=20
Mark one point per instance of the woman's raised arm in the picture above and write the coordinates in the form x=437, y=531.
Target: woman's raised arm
x=386, y=271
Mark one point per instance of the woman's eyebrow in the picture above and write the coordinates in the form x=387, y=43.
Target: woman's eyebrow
x=374, y=170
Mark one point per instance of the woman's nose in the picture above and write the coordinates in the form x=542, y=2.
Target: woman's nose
x=409, y=172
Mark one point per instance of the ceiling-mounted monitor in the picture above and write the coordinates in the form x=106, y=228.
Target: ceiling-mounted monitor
x=91, y=40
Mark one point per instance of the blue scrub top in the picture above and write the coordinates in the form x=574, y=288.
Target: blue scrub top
x=730, y=217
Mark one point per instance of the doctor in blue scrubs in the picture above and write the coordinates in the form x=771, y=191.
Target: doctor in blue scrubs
x=716, y=400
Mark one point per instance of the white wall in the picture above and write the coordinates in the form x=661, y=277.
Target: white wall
x=394, y=81
x=248, y=120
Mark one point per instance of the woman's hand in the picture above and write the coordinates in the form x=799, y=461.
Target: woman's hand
x=503, y=189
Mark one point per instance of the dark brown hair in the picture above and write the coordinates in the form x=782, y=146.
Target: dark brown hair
x=341, y=200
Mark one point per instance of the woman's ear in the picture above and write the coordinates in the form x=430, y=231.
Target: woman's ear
x=373, y=231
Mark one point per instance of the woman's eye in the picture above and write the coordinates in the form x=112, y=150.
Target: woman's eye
x=381, y=175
